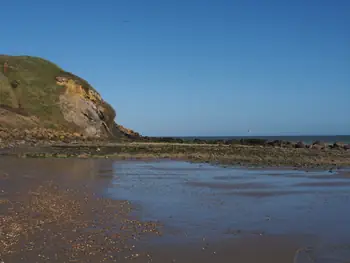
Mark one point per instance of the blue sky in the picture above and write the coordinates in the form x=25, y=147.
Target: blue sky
x=199, y=67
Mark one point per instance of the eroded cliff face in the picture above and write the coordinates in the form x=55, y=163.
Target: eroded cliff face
x=128, y=132
x=38, y=93
x=84, y=108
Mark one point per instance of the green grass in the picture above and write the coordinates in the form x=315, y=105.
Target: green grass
x=38, y=93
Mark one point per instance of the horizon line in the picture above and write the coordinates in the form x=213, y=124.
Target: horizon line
x=261, y=135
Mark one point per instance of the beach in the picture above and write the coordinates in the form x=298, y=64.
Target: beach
x=175, y=132
x=112, y=210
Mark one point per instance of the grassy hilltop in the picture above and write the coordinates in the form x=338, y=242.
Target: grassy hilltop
x=30, y=93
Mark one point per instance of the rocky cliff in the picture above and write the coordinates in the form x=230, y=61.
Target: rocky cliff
x=128, y=132
x=37, y=93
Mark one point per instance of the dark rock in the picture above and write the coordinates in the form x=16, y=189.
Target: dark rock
x=197, y=141
x=338, y=145
x=253, y=141
x=275, y=143
x=15, y=83
x=318, y=145
x=300, y=145
x=100, y=114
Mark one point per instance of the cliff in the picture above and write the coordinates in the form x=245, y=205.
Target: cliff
x=128, y=132
x=37, y=93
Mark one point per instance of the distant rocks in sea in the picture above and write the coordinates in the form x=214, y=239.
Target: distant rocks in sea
x=317, y=145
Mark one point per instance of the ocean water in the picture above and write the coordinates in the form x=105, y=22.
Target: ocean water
x=306, y=139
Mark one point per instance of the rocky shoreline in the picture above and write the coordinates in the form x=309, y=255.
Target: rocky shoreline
x=47, y=143
x=52, y=136
x=253, y=142
x=238, y=155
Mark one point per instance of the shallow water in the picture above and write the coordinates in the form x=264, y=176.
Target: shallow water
x=197, y=202
x=215, y=214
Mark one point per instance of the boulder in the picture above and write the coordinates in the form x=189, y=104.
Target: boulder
x=338, y=145
x=318, y=145
x=300, y=145
x=275, y=143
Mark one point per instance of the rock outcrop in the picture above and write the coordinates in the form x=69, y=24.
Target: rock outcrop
x=36, y=93
x=83, y=107
x=300, y=145
x=128, y=132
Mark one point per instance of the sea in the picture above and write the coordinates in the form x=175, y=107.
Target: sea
x=295, y=138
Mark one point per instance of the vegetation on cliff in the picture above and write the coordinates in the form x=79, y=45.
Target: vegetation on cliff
x=35, y=92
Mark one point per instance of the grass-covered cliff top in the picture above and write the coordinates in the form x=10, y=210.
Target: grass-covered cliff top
x=28, y=86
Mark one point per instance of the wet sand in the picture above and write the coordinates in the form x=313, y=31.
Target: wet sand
x=54, y=211
x=190, y=212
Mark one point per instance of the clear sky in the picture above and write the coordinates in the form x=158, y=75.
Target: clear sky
x=199, y=67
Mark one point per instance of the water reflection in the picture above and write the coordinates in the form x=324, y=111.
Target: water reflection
x=200, y=203
x=197, y=200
